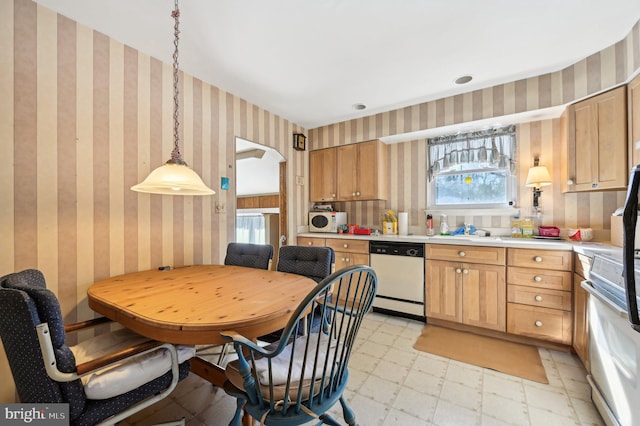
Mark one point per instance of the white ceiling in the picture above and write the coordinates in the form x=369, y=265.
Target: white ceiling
x=310, y=60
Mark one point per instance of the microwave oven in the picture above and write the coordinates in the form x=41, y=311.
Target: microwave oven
x=326, y=221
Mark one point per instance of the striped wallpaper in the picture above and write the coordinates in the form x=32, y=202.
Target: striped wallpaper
x=83, y=118
x=610, y=67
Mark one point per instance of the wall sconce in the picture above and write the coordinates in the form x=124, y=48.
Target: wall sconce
x=537, y=177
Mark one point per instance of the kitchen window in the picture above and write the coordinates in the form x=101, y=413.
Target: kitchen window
x=473, y=170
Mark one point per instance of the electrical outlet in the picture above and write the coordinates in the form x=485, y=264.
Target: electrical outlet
x=299, y=180
x=220, y=207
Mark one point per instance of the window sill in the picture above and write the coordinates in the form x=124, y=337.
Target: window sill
x=507, y=211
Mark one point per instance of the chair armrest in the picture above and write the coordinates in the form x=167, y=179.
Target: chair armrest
x=106, y=360
x=70, y=328
x=239, y=338
x=50, y=363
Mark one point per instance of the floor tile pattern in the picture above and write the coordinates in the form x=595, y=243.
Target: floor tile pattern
x=391, y=383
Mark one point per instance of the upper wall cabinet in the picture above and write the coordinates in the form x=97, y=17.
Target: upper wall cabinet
x=633, y=93
x=354, y=172
x=322, y=175
x=597, y=158
x=362, y=171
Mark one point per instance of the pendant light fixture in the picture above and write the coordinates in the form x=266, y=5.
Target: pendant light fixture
x=174, y=177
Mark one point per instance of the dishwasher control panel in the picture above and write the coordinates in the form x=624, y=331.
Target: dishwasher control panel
x=396, y=249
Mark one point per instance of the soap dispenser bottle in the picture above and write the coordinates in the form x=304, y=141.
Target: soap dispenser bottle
x=444, y=226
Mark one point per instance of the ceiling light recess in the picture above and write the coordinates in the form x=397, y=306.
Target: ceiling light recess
x=464, y=79
x=359, y=106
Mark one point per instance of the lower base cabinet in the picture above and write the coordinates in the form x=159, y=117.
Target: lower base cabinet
x=539, y=294
x=553, y=325
x=463, y=292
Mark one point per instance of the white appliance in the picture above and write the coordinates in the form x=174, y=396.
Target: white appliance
x=614, y=345
x=326, y=221
x=400, y=271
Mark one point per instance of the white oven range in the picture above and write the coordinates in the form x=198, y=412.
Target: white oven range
x=614, y=346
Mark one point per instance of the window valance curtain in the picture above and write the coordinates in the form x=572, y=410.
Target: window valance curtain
x=485, y=149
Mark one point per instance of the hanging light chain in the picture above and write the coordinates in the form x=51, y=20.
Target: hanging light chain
x=176, y=156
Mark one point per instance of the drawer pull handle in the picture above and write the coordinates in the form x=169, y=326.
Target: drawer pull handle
x=538, y=323
x=458, y=270
x=537, y=259
x=310, y=243
x=462, y=254
x=537, y=278
x=345, y=245
x=538, y=298
x=347, y=259
x=465, y=271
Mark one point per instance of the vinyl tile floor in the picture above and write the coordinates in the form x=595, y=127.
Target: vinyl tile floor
x=391, y=383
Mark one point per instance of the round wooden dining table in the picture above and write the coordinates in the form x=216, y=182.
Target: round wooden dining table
x=193, y=304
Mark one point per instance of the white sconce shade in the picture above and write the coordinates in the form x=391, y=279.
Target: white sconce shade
x=173, y=178
x=538, y=176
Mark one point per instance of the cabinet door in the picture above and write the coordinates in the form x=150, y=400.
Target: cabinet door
x=322, y=175
x=633, y=95
x=484, y=296
x=443, y=281
x=372, y=179
x=344, y=259
x=347, y=160
x=580, y=321
x=600, y=142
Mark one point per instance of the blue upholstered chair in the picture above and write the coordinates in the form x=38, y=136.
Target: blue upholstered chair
x=299, y=378
x=316, y=263
x=250, y=255
x=45, y=370
x=313, y=262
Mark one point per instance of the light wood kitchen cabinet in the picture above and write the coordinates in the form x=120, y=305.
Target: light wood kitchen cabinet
x=311, y=241
x=322, y=175
x=349, y=252
x=362, y=171
x=580, y=309
x=539, y=284
x=633, y=104
x=598, y=142
x=466, y=292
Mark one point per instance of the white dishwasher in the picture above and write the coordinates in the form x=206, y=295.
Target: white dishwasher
x=400, y=271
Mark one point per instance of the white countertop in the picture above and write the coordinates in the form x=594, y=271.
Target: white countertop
x=588, y=248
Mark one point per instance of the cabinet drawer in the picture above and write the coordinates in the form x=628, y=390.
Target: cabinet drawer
x=309, y=241
x=471, y=254
x=349, y=246
x=543, y=297
x=542, y=323
x=545, y=259
x=555, y=280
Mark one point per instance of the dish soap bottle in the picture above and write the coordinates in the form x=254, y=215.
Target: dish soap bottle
x=429, y=225
x=444, y=226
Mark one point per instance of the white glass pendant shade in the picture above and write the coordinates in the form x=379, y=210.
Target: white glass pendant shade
x=538, y=176
x=174, y=177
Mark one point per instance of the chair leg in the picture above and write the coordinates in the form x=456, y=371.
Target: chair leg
x=223, y=353
x=326, y=419
x=237, y=417
x=348, y=414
